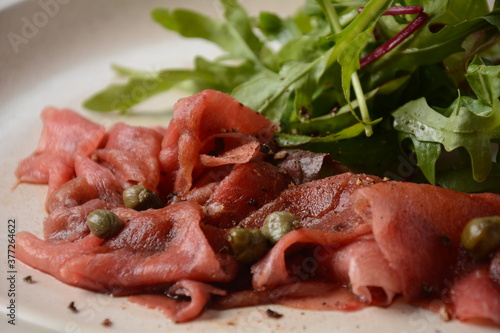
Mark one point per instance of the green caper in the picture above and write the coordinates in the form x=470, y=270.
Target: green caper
x=104, y=223
x=140, y=197
x=248, y=244
x=278, y=224
x=481, y=236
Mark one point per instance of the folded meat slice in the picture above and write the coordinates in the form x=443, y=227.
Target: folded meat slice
x=310, y=295
x=418, y=227
x=182, y=302
x=155, y=249
x=395, y=239
x=131, y=153
x=228, y=148
x=70, y=223
x=476, y=296
x=73, y=193
x=248, y=187
x=280, y=265
x=323, y=204
x=200, y=119
x=64, y=134
x=361, y=265
x=100, y=179
x=324, y=209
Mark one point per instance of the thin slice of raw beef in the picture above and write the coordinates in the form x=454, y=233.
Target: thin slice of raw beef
x=207, y=118
x=65, y=133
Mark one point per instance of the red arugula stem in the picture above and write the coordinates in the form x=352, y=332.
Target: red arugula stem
x=397, y=39
x=401, y=10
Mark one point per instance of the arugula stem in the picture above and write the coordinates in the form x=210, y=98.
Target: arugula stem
x=333, y=19
x=356, y=84
x=346, y=108
x=363, y=107
x=400, y=10
x=279, y=92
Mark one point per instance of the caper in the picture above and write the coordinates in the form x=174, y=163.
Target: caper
x=104, y=223
x=278, y=224
x=248, y=244
x=481, y=236
x=140, y=197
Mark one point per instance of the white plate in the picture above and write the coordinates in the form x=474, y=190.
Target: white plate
x=58, y=52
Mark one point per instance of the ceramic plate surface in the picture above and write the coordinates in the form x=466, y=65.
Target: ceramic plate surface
x=59, y=52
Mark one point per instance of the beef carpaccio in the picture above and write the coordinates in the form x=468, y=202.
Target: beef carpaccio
x=361, y=241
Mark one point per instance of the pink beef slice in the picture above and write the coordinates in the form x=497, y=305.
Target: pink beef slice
x=65, y=133
x=70, y=223
x=100, y=179
x=210, y=119
x=323, y=204
x=75, y=192
x=476, y=297
x=328, y=221
x=397, y=239
x=418, y=228
x=248, y=187
x=129, y=157
x=131, y=153
x=186, y=300
x=156, y=248
x=310, y=295
x=361, y=265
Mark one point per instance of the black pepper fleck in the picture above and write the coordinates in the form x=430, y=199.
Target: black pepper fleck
x=28, y=279
x=72, y=307
x=273, y=314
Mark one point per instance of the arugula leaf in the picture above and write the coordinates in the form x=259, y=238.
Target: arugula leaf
x=140, y=87
x=291, y=140
x=460, y=10
x=271, y=101
x=472, y=123
x=427, y=155
x=240, y=29
x=484, y=80
x=194, y=25
x=348, y=45
x=334, y=122
x=302, y=71
x=463, y=128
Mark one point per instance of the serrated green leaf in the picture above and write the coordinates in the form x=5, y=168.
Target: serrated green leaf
x=427, y=155
x=264, y=91
x=456, y=11
x=484, y=80
x=349, y=59
x=293, y=140
x=139, y=88
x=240, y=29
x=463, y=128
x=194, y=25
